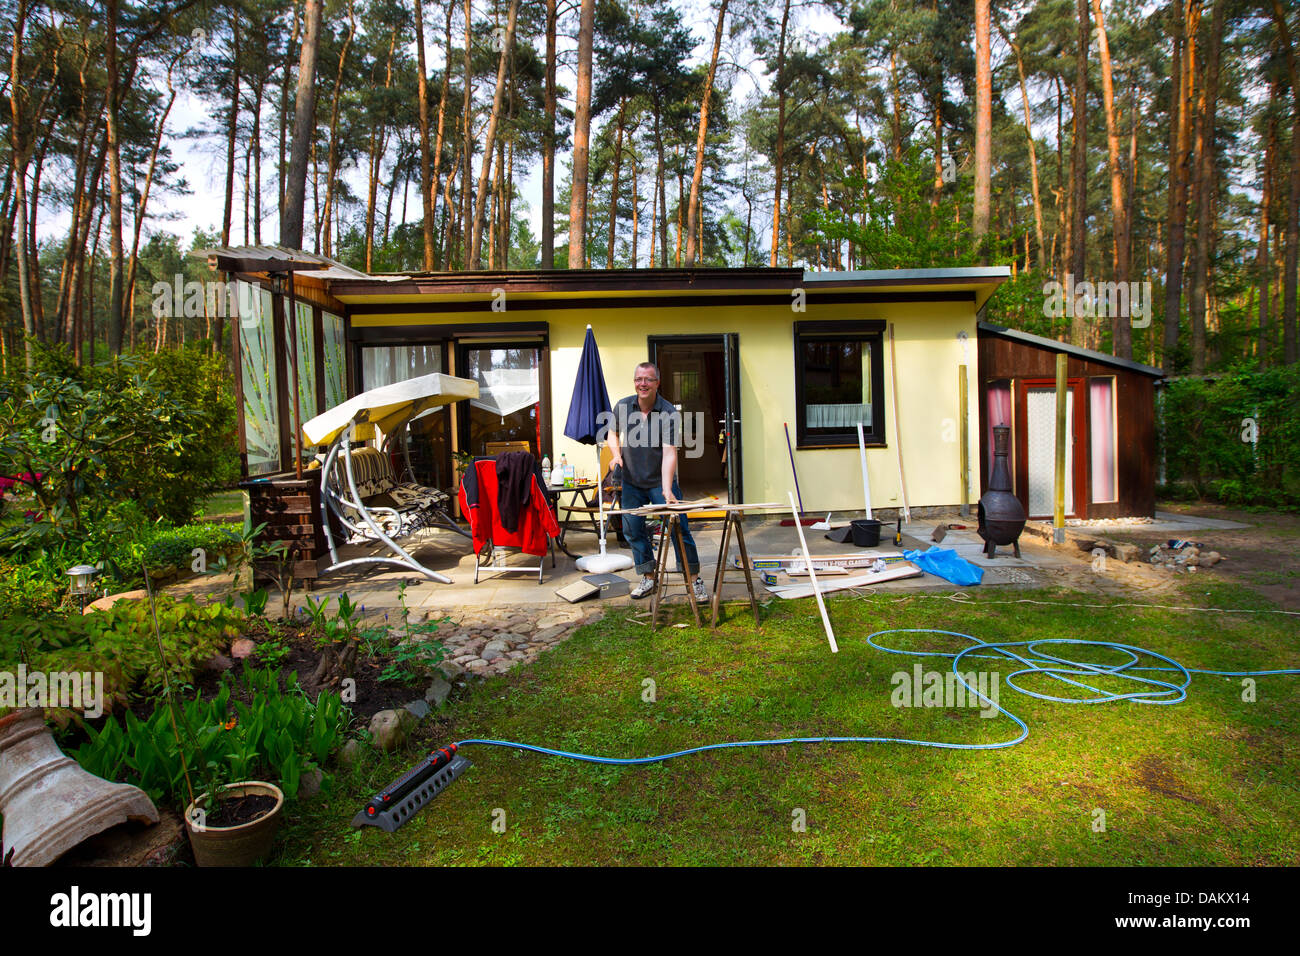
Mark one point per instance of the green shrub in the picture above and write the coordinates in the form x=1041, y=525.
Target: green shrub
x=174, y=547
x=1206, y=427
x=120, y=644
x=276, y=736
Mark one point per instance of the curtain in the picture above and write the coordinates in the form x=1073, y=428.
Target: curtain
x=257, y=371
x=999, y=413
x=386, y=364
x=508, y=381
x=1101, y=425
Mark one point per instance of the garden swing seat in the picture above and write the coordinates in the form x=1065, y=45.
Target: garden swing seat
x=360, y=496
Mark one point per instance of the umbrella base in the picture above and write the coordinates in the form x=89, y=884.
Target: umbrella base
x=604, y=563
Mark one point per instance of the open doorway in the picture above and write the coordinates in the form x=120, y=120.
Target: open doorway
x=699, y=375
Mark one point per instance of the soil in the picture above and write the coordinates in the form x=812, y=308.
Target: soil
x=1263, y=556
x=235, y=811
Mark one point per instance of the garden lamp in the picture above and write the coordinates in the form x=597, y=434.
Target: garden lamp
x=81, y=576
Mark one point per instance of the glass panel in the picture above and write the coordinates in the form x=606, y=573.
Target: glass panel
x=306, y=337
x=1101, y=407
x=256, y=358
x=509, y=404
x=836, y=383
x=335, y=359
x=1040, y=411
x=386, y=364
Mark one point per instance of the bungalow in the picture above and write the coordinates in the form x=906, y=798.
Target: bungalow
x=749, y=355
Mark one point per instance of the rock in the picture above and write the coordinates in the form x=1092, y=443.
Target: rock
x=1210, y=558
x=104, y=603
x=310, y=783
x=474, y=646
x=497, y=645
x=501, y=666
x=491, y=654
x=217, y=664
x=1127, y=553
x=1085, y=544
x=350, y=753
x=451, y=669
x=553, y=620
x=462, y=661
x=417, y=709
x=516, y=655
x=242, y=648
x=390, y=728
x=437, y=692
x=550, y=635
x=476, y=666
x=1193, y=562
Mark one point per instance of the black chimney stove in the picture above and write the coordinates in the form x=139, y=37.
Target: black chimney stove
x=1001, y=515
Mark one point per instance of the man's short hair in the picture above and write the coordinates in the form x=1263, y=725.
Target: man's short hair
x=648, y=365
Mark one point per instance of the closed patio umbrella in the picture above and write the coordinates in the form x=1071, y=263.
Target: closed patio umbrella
x=588, y=409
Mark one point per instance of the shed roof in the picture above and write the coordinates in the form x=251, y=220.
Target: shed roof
x=1053, y=345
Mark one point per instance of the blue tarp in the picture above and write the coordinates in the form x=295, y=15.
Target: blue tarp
x=947, y=564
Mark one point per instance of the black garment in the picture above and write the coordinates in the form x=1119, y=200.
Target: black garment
x=514, y=469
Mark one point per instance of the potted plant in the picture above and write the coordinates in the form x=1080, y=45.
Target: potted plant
x=234, y=824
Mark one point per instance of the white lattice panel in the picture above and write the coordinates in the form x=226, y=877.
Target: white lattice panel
x=1040, y=404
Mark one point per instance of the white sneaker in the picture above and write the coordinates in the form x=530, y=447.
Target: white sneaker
x=644, y=588
x=701, y=595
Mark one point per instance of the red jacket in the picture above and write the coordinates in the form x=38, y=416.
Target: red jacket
x=478, y=503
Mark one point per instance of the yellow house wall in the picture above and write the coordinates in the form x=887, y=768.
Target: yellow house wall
x=928, y=354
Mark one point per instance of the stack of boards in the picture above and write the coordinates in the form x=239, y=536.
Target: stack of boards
x=835, y=572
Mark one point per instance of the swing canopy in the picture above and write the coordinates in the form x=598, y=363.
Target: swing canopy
x=387, y=408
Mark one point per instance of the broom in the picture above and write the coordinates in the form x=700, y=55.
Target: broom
x=804, y=519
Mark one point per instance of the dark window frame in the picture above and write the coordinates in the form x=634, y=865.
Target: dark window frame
x=868, y=330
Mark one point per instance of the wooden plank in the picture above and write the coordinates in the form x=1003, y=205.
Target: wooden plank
x=795, y=591
x=289, y=505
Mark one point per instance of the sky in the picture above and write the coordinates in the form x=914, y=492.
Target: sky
x=202, y=160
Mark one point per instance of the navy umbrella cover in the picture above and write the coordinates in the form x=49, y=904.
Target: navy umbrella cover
x=589, y=408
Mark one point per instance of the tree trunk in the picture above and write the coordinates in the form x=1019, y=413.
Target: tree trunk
x=490, y=140
x=1290, y=334
x=332, y=154
x=697, y=179
x=1205, y=190
x=378, y=145
x=231, y=131
x=304, y=129
x=1079, y=327
x=1182, y=70
x=778, y=160
x=1033, y=154
x=983, y=123
x=1262, y=252
x=548, y=143
x=115, y=317
x=1121, y=327
x=427, y=185
x=466, y=147
x=581, y=139
x=613, y=192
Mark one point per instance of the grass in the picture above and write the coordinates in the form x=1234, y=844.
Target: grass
x=1212, y=780
x=223, y=506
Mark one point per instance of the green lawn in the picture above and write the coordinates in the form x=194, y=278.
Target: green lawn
x=1213, y=780
x=224, y=506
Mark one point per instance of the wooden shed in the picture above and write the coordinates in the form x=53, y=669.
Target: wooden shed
x=1110, y=411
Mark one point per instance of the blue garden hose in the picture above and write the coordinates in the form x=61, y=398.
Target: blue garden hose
x=1035, y=661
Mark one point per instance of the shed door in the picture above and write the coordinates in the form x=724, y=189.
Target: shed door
x=1036, y=448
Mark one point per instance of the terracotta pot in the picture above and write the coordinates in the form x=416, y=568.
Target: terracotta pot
x=241, y=845
x=48, y=802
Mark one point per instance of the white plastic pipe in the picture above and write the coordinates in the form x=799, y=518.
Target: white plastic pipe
x=812, y=576
x=862, y=454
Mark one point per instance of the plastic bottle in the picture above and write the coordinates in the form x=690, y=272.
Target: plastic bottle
x=546, y=469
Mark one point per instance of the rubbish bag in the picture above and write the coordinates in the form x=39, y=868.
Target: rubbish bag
x=947, y=564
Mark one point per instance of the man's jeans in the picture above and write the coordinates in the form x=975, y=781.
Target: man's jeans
x=635, y=531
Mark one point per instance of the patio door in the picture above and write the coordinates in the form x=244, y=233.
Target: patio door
x=511, y=395
x=700, y=375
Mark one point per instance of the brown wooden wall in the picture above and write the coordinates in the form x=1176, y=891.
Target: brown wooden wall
x=1001, y=358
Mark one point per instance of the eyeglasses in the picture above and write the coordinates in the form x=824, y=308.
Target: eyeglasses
x=644, y=381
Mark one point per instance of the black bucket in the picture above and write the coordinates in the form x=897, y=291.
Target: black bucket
x=866, y=532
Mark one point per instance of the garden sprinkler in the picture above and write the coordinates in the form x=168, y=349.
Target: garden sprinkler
x=397, y=803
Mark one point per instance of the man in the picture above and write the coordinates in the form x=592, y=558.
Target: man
x=643, y=441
